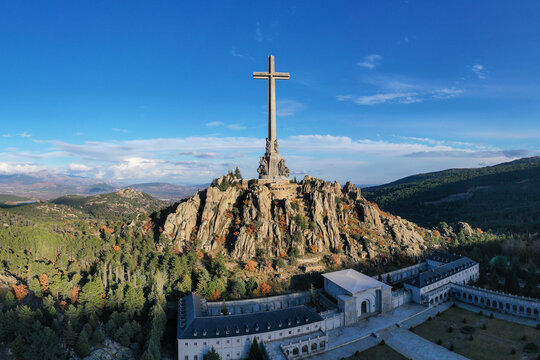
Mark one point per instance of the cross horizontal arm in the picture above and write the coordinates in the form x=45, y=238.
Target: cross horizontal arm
x=282, y=76
x=261, y=75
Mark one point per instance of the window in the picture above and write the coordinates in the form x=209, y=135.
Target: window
x=195, y=344
x=280, y=334
x=196, y=357
x=186, y=344
x=186, y=357
x=204, y=343
x=227, y=342
x=217, y=342
x=290, y=332
x=237, y=340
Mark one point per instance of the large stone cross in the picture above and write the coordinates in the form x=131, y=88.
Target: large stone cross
x=271, y=75
x=272, y=165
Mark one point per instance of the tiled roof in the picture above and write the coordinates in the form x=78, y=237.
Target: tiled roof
x=439, y=273
x=206, y=327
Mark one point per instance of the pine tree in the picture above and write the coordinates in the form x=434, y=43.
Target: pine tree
x=9, y=300
x=134, y=301
x=212, y=354
x=82, y=348
x=91, y=296
x=70, y=336
x=255, y=351
x=237, y=173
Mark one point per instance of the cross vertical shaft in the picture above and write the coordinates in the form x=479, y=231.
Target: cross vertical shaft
x=272, y=136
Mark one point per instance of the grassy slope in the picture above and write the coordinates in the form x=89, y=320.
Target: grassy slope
x=503, y=197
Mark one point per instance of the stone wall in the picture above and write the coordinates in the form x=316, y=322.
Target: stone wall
x=305, y=346
x=497, y=301
x=259, y=304
x=401, y=275
x=400, y=297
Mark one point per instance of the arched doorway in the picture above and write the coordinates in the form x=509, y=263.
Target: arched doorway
x=364, y=307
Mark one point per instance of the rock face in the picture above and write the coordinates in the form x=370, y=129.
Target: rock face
x=241, y=216
x=111, y=351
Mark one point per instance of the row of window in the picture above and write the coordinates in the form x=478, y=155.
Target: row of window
x=248, y=339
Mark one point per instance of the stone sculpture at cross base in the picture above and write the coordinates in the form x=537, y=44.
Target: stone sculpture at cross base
x=272, y=164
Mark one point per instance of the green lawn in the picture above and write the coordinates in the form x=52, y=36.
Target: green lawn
x=378, y=352
x=494, y=342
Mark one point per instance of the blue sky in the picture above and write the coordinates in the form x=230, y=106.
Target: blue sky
x=163, y=91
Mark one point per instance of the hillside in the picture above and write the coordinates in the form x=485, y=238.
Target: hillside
x=123, y=204
x=502, y=198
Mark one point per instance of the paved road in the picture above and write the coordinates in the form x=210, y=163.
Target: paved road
x=416, y=347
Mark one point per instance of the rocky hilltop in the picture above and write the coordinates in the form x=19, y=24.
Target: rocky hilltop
x=287, y=218
x=123, y=204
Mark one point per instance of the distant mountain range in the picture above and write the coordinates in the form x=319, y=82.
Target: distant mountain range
x=43, y=185
x=504, y=197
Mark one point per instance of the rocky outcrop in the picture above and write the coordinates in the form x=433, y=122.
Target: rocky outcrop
x=111, y=350
x=240, y=217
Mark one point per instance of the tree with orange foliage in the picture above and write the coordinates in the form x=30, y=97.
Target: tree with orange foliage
x=44, y=282
x=20, y=291
x=436, y=233
x=215, y=294
x=335, y=259
x=75, y=293
x=314, y=249
x=250, y=265
x=264, y=288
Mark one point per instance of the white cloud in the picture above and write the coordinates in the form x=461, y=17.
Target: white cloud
x=215, y=123
x=229, y=126
x=235, y=54
x=120, y=130
x=370, y=61
x=402, y=98
x=399, y=90
x=288, y=107
x=25, y=134
x=9, y=168
x=236, y=127
x=480, y=71
x=258, y=32
x=199, y=159
x=77, y=167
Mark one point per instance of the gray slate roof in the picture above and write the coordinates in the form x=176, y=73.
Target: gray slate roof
x=197, y=326
x=433, y=275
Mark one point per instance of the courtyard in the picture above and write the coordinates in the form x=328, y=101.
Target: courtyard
x=480, y=337
x=378, y=352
